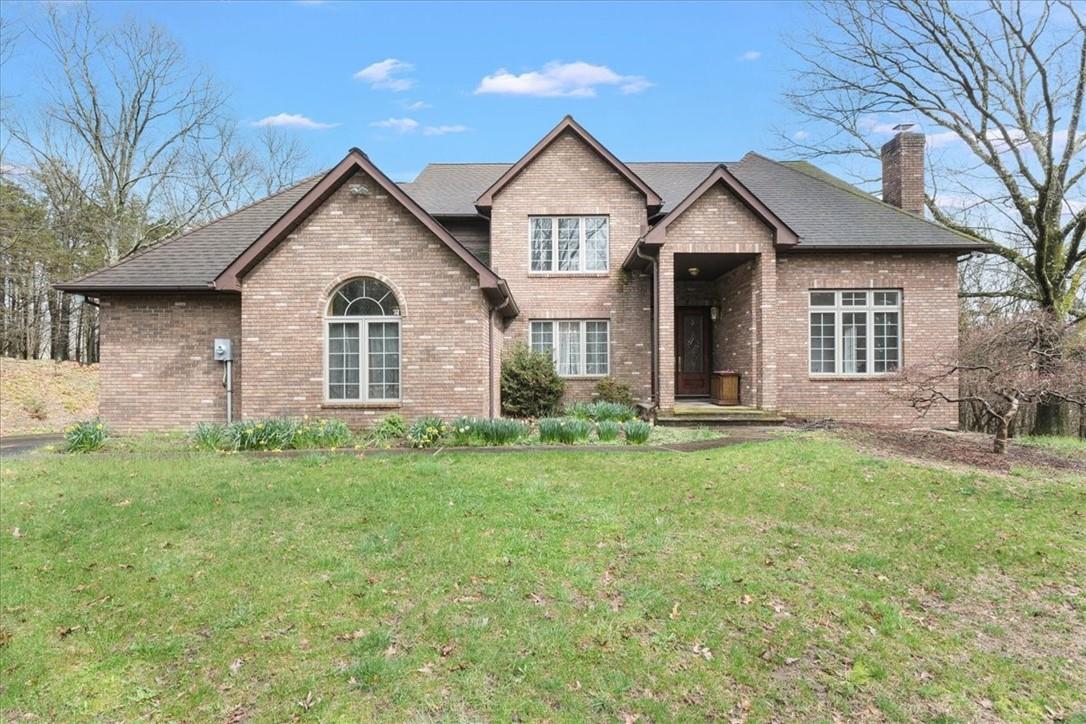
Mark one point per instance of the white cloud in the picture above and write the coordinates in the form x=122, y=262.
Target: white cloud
x=410, y=125
x=750, y=55
x=556, y=80
x=417, y=105
x=399, y=125
x=443, y=130
x=387, y=74
x=293, y=120
x=800, y=136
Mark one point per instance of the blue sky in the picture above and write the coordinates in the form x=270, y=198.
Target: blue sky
x=482, y=82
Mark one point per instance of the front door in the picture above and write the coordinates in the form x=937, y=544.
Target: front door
x=693, y=350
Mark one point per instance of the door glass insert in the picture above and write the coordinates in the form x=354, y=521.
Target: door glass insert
x=693, y=344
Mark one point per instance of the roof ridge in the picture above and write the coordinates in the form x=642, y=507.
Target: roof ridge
x=862, y=195
x=132, y=256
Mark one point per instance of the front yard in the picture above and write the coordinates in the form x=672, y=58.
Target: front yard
x=796, y=578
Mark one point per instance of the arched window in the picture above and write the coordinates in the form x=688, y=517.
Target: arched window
x=362, y=326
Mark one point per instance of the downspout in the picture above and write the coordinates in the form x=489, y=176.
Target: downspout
x=490, y=346
x=654, y=315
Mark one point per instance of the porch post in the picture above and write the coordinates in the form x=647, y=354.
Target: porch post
x=766, y=326
x=666, y=329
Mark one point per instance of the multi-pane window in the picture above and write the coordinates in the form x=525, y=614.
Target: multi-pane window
x=855, y=332
x=568, y=243
x=363, y=334
x=578, y=347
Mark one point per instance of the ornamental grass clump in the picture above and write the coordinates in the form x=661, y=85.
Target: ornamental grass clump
x=487, y=431
x=321, y=434
x=209, y=436
x=388, y=431
x=564, y=430
x=86, y=436
x=608, y=430
x=637, y=432
x=601, y=410
x=272, y=434
x=427, y=432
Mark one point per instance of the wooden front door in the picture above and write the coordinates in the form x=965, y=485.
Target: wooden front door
x=693, y=351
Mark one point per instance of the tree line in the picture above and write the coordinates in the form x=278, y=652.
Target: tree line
x=127, y=145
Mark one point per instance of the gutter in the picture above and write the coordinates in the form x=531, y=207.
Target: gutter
x=494, y=408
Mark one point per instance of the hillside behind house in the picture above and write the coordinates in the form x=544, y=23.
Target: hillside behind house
x=45, y=396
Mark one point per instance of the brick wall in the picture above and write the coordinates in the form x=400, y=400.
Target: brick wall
x=445, y=363
x=157, y=371
x=929, y=284
x=733, y=332
x=568, y=178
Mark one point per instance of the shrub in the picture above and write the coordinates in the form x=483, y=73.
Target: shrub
x=608, y=430
x=322, y=434
x=272, y=434
x=487, y=431
x=565, y=430
x=86, y=436
x=427, y=432
x=599, y=410
x=637, y=432
x=530, y=385
x=209, y=436
x=611, y=390
x=391, y=429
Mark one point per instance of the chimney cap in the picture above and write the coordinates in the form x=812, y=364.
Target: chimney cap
x=903, y=127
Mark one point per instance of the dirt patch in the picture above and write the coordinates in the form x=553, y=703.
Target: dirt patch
x=45, y=396
x=961, y=448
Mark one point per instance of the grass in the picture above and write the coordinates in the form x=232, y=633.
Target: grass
x=792, y=579
x=1066, y=444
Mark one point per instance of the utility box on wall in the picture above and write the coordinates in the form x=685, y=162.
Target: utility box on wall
x=223, y=350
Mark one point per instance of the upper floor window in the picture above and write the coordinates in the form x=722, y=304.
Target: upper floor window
x=362, y=334
x=568, y=243
x=855, y=332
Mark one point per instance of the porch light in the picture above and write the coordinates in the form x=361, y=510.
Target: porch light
x=714, y=312
x=693, y=271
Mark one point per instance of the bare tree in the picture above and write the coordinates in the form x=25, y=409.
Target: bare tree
x=279, y=160
x=1006, y=363
x=999, y=86
x=126, y=121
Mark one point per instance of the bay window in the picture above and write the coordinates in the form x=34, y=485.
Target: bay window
x=568, y=243
x=579, y=348
x=855, y=332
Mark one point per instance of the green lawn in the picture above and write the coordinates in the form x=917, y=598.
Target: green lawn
x=791, y=579
x=1060, y=444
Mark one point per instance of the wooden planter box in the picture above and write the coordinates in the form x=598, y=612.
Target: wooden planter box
x=725, y=388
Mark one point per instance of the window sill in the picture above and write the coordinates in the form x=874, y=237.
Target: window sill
x=569, y=275
x=836, y=377
x=574, y=378
x=360, y=405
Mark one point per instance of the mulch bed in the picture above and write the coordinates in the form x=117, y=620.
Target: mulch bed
x=962, y=448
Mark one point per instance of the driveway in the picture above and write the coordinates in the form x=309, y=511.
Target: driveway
x=22, y=444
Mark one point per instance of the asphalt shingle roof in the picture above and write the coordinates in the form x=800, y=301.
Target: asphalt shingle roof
x=192, y=260
x=825, y=212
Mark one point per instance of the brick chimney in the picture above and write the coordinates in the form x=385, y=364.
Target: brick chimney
x=903, y=170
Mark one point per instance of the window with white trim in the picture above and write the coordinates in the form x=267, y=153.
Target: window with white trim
x=568, y=243
x=579, y=347
x=855, y=331
x=362, y=333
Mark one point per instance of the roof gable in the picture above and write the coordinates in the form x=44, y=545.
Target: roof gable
x=492, y=285
x=783, y=235
x=486, y=199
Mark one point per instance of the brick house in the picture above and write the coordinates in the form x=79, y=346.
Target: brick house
x=351, y=296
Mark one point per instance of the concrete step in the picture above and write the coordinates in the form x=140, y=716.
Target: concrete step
x=720, y=419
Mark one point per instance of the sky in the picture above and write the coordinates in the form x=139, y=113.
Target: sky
x=411, y=83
